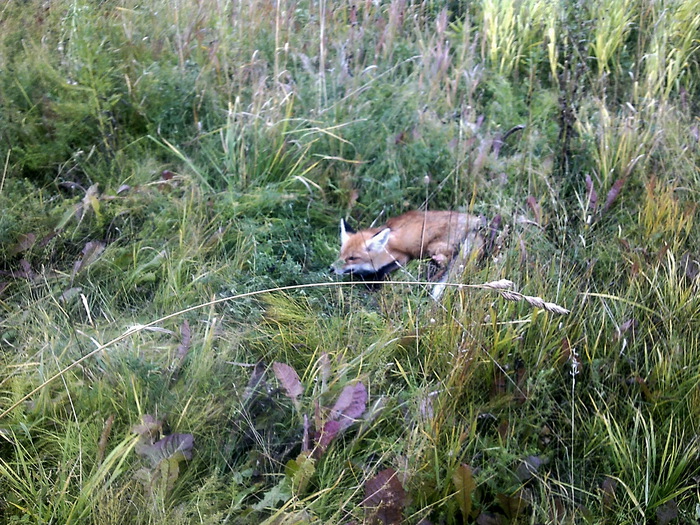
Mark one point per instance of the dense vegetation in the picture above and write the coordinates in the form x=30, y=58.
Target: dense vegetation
x=162, y=162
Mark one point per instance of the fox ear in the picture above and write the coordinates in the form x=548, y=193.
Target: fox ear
x=379, y=241
x=345, y=231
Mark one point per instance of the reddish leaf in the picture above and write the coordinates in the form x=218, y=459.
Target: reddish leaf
x=690, y=266
x=535, y=208
x=695, y=132
x=148, y=430
x=499, y=382
x=104, y=437
x=25, y=271
x=523, y=252
x=165, y=457
x=385, y=498
x=464, y=484
x=592, y=195
x=324, y=368
x=494, y=229
x=425, y=407
x=47, y=238
x=289, y=380
x=350, y=405
x=489, y=518
x=512, y=505
x=608, y=497
x=528, y=467
x=182, y=349
x=352, y=199
x=503, y=428
x=305, y=438
x=174, y=445
x=91, y=252
x=400, y=138
x=667, y=512
x=613, y=194
x=500, y=140
x=185, y=343
x=256, y=379
x=558, y=510
x=328, y=433
x=520, y=381
x=568, y=355
x=644, y=387
x=25, y=241
x=91, y=201
x=630, y=325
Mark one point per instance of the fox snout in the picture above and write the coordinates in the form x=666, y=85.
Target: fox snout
x=338, y=268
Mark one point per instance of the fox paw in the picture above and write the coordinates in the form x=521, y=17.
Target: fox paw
x=440, y=259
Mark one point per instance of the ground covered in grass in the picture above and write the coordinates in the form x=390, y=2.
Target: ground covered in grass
x=163, y=163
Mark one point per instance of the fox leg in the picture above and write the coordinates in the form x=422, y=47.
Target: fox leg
x=456, y=263
x=440, y=257
x=441, y=253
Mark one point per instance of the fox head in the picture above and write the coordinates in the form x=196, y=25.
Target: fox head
x=363, y=253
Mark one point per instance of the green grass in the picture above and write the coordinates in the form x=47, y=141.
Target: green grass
x=172, y=175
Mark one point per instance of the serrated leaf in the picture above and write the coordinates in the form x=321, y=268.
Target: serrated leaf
x=464, y=484
x=175, y=446
x=280, y=493
x=289, y=380
x=299, y=471
x=149, y=426
x=350, y=405
x=164, y=455
x=170, y=471
x=385, y=498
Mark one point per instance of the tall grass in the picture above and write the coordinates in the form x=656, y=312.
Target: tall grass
x=163, y=163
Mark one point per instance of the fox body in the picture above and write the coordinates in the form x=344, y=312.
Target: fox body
x=435, y=235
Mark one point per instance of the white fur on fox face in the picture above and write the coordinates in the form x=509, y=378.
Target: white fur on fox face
x=343, y=233
x=379, y=241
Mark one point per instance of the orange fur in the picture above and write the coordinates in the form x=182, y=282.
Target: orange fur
x=435, y=235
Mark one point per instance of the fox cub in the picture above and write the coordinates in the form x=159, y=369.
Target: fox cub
x=435, y=235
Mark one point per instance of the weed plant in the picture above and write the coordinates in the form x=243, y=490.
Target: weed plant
x=163, y=163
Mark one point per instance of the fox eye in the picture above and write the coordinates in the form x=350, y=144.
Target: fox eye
x=351, y=259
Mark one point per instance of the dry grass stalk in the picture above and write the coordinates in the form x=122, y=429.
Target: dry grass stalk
x=503, y=286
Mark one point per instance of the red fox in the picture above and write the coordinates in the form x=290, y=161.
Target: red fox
x=435, y=235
